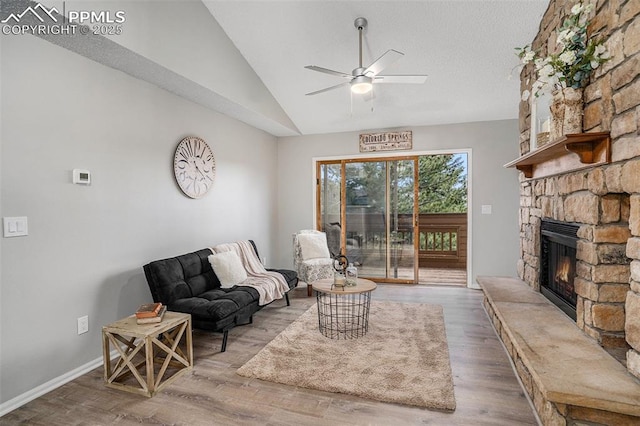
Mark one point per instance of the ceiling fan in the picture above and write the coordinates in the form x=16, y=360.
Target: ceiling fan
x=362, y=79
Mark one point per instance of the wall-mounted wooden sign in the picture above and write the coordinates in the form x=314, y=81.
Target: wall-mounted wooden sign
x=386, y=141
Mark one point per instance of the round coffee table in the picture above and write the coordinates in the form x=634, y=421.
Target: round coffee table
x=343, y=312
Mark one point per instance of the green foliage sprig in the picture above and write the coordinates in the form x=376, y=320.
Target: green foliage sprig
x=577, y=58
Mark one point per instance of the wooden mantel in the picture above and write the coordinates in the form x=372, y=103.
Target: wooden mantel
x=571, y=152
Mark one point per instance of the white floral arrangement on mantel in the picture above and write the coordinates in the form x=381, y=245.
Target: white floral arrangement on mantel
x=577, y=58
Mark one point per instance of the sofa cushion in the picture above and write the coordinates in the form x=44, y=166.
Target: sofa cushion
x=180, y=277
x=168, y=281
x=198, y=273
x=228, y=268
x=218, y=304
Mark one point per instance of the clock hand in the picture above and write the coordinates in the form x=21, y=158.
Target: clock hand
x=199, y=171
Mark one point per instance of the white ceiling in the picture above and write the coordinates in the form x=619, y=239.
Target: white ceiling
x=465, y=47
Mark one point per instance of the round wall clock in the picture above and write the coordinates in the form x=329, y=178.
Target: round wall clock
x=194, y=166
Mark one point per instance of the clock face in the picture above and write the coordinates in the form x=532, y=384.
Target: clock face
x=194, y=166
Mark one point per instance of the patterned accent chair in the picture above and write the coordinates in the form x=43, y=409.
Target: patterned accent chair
x=311, y=257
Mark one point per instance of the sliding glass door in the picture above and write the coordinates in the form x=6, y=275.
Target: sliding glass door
x=399, y=219
x=367, y=208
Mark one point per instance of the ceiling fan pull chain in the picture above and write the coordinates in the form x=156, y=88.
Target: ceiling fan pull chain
x=373, y=99
x=351, y=98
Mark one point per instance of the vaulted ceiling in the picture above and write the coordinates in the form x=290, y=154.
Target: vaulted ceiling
x=466, y=47
x=246, y=59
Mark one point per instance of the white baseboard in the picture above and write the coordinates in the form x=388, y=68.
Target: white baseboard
x=52, y=384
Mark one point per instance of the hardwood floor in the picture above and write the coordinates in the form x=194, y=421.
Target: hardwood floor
x=486, y=389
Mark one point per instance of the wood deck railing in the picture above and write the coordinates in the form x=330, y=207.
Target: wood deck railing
x=443, y=240
x=442, y=236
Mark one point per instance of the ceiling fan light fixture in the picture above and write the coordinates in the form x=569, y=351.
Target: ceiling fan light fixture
x=361, y=84
x=362, y=78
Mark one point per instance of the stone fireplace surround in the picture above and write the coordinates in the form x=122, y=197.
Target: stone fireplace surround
x=603, y=200
x=603, y=253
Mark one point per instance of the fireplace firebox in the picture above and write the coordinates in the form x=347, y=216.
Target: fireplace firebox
x=558, y=241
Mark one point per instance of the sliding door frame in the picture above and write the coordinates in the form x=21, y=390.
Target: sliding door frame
x=390, y=156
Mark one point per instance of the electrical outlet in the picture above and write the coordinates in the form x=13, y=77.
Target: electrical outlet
x=83, y=324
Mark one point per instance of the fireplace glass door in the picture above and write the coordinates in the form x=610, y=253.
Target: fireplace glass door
x=558, y=265
x=561, y=272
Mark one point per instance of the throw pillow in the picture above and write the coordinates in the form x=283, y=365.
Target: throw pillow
x=313, y=246
x=228, y=268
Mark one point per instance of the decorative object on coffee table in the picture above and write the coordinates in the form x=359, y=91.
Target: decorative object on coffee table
x=340, y=263
x=351, y=275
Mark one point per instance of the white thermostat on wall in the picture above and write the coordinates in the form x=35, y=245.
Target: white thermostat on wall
x=82, y=177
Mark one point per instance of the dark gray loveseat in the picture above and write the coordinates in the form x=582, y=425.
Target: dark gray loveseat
x=188, y=284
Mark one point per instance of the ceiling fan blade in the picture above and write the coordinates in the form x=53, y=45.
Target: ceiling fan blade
x=328, y=71
x=389, y=57
x=326, y=89
x=411, y=79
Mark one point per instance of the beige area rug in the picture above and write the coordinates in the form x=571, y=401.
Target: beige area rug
x=404, y=357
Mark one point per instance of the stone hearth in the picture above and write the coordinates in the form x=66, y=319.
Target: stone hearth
x=569, y=378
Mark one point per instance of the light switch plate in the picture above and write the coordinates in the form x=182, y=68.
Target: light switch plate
x=486, y=209
x=15, y=226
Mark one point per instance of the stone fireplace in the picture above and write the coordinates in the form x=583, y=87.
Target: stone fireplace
x=588, y=185
x=603, y=201
x=602, y=269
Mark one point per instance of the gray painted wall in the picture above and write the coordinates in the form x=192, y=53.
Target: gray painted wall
x=495, y=244
x=87, y=244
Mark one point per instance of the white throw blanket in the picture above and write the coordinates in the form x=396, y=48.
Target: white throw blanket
x=269, y=285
